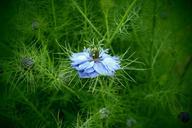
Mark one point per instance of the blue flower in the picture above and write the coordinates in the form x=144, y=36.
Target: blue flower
x=94, y=62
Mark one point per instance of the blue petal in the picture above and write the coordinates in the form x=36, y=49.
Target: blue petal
x=77, y=63
x=78, y=58
x=91, y=63
x=111, y=64
x=93, y=74
x=103, y=54
x=100, y=68
x=87, y=75
x=83, y=75
x=83, y=66
x=81, y=55
x=116, y=58
x=89, y=70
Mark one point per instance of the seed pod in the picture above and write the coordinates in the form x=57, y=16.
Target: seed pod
x=130, y=122
x=163, y=15
x=104, y=113
x=27, y=63
x=184, y=117
x=35, y=25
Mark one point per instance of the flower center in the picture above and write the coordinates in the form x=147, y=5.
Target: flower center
x=95, y=54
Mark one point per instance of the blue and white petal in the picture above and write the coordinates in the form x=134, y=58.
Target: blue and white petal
x=89, y=70
x=78, y=58
x=83, y=75
x=84, y=66
x=111, y=64
x=93, y=74
x=91, y=64
x=103, y=54
x=87, y=75
x=100, y=68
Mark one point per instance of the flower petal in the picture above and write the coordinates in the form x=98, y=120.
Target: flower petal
x=87, y=75
x=83, y=66
x=89, y=70
x=103, y=54
x=93, y=74
x=111, y=64
x=83, y=75
x=100, y=68
x=78, y=58
x=91, y=64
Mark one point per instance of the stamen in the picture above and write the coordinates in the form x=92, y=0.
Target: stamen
x=95, y=53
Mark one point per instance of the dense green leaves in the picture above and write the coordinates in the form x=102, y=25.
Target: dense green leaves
x=152, y=38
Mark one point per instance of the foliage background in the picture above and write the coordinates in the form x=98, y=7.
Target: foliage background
x=153, y=89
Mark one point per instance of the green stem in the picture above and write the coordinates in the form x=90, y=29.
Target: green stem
x=31, y=105
x=186, y=68
x=83, y=14
x=85, y=23
x=107, y=27
x=53, y=12
x=121, y=23
x=153, y=37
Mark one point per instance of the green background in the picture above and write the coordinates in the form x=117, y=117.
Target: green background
x=153, y=90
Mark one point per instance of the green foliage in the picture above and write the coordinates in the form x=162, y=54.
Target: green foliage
x=151, y=37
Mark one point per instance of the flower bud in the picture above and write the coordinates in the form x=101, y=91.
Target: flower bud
x=27, y=63
x=104, y=113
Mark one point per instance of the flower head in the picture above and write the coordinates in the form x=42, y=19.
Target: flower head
x=94, y=62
